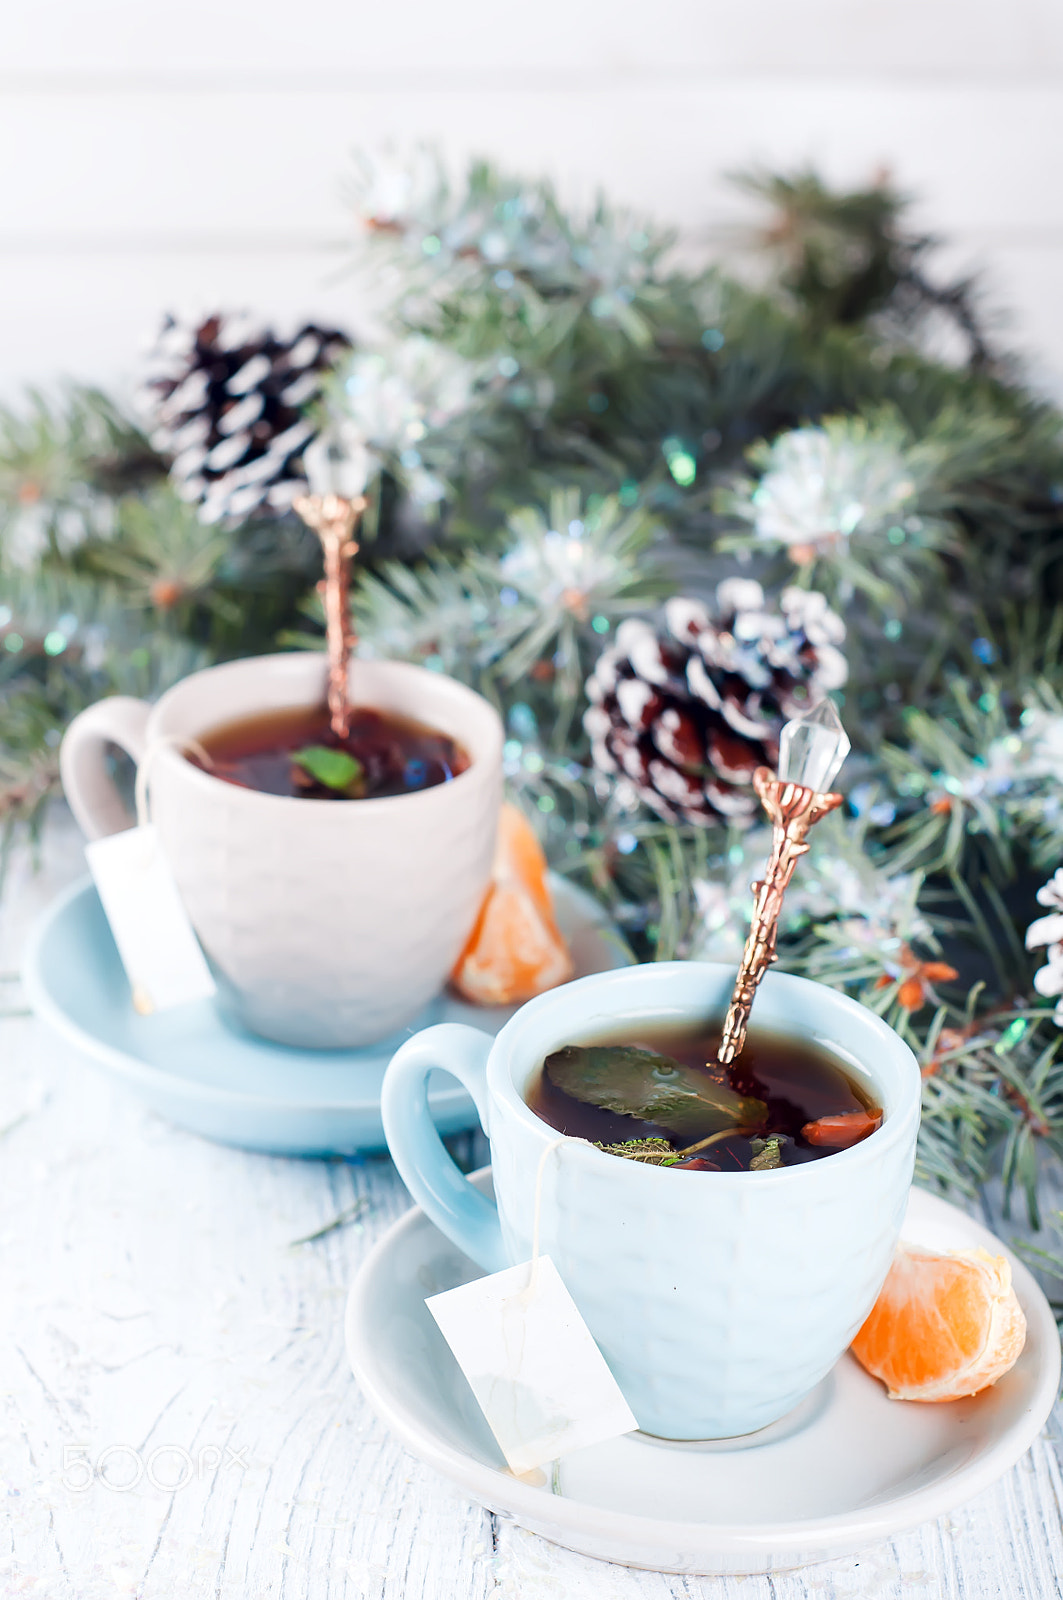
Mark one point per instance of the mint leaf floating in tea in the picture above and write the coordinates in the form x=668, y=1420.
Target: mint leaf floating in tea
x=812, y=749
x=767, y=1153
x=763, y=1108
x=652, y=1087
x=335, y=769
x=292, y=752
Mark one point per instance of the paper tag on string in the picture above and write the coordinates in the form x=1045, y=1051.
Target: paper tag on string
x=530, y=1359
x=159, y=950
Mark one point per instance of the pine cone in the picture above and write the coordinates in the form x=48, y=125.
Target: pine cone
x=226, y=400
x=682, y=716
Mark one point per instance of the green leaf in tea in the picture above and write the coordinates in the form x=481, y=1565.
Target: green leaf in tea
x=653, y=1087
x=651, y=1152
x=767, y=1153
x=334, y=768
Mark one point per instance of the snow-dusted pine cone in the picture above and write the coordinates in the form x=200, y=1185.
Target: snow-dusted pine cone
x=681, y=717
x=225, y=399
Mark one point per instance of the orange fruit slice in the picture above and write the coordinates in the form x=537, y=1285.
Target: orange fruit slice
x=515, y=950
x=944, y=1326
x=840, y=1131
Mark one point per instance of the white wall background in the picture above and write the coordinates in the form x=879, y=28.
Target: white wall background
x=193, y=154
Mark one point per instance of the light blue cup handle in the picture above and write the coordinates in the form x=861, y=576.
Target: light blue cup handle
x=466, y=1216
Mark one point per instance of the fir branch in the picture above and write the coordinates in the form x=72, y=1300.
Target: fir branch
x=538, y=610
x=849, y=501
x=1048, y=1262
x=846, y=257
x=161, y=553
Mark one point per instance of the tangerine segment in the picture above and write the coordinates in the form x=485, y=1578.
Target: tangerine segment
x=840, y=1131
x=515, y=950
x=944, y=1326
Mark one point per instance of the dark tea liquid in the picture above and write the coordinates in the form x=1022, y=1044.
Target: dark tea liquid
x=799, y=1084
x=396, y=754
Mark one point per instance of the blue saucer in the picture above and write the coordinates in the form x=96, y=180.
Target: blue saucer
x=207, y=1075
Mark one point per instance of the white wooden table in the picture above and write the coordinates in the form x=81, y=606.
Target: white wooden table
x=157, y=1325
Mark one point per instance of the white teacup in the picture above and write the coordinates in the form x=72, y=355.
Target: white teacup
x=326, y=922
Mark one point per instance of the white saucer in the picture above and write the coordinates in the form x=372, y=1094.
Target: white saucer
x=203, y=1072
x=844, y=1469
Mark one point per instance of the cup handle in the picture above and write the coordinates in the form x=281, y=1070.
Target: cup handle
x=89, y=787
x=466, y=1216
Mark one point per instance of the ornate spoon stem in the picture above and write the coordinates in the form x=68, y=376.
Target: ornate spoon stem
x=333, y=518
x=792, y=809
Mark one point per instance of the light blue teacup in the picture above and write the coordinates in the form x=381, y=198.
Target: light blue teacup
x=719, y=1300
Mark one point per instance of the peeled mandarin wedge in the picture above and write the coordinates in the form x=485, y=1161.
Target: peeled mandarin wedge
x=515, y=950
x=944, y=1326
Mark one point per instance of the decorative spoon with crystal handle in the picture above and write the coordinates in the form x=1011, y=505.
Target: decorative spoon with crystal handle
x=812, y=749
x=337, y=474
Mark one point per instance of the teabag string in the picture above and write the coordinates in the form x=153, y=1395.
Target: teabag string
x=164, y=741
x=524, y=1296
x=529, y=1357
x=527, y=1293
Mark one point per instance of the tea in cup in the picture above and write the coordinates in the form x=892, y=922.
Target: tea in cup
x=330, y=915
x=720, y=1298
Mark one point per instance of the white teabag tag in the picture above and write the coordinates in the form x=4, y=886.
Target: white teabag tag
x=532, y=1363
x=160, y=952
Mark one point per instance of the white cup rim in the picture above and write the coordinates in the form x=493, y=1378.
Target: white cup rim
x=171, y=757
x=895, y=1126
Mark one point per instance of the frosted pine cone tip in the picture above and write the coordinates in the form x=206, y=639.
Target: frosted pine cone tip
x=682, y=715
x=224, y=399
